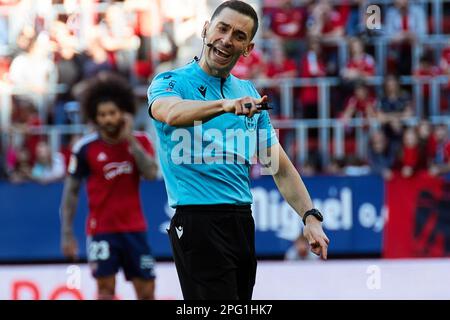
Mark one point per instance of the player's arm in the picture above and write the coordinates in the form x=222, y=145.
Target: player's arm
x=69, y=203
x=293, y=190
x=145, y=162
x=183, y=113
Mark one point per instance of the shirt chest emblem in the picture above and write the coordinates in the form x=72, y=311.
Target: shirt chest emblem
x=114, y=169
x=202, y=89
x=250, y=123
x=101, y=157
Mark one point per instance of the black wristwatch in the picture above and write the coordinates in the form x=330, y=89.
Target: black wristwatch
x=316, y=213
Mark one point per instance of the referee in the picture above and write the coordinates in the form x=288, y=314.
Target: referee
x=199, y=110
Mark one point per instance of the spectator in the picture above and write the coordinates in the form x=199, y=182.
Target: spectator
x=69, y=66
x=411, y=157
x=335, y=166
x=356, y=21
x=3, y=30
x=34, y=74
x=4, y=68
x=96, y=59
x=394, y=108
x=355, y=166
x=250, y=67
x=427, y=70
x=48, y=167
x=360, y=104
x=360, y=65
x=325, y=21
x=145, y=26
x=25, y=121
x=300, y=250
x=381, y=155
x=440, y=163
x=405, y=21
x=117, y=38
x=286, y=22
x=167, y=49
x=427, y=140
x=445, y=70
x=311, y=66
x=310, y=167
x=21, y=167
x=279, y=66
x=26, y=36
x=404, y=24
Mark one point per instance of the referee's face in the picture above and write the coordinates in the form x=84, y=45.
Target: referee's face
x=229, y=33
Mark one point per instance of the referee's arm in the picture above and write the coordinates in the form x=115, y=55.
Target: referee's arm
x=179, y=112
x=291, y=186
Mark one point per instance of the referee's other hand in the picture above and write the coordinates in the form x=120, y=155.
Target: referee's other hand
x=247, y=106
x=316, y=237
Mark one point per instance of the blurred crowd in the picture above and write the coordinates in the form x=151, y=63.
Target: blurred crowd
x=302, y=41
x=55, y=50
x=57, y=46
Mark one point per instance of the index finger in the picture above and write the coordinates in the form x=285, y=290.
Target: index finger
x=262, y=104
x=263, y=99
x=324, y=248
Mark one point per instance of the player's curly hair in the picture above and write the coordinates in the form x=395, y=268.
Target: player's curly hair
x=106, y=87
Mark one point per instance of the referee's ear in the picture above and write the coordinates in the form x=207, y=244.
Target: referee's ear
x=205, y=29
x=248, y=49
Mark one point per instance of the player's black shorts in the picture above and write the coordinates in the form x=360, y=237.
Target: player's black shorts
x=214, y=251
x=108, y=252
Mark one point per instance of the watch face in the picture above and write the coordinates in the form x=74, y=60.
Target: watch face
x=319, y=215
x=313, y=212
x=316, y=213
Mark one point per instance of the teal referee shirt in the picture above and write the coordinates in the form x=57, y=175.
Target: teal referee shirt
x=209, y=163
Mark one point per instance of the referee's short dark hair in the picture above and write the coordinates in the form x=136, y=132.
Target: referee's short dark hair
x=106, y=87
x=241, y=7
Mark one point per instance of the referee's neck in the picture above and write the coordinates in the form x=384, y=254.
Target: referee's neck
x=212, y=71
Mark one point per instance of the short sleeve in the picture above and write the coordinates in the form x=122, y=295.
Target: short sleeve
x=166, y=84
x=78, y=165
x=267, y=136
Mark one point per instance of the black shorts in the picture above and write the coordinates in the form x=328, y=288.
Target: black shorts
x=214, y=251
x=108, y=252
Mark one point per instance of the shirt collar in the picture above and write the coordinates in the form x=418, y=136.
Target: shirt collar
x=204, y=75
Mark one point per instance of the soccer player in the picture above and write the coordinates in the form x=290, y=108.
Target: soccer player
x=207, y=174
x=113, y=159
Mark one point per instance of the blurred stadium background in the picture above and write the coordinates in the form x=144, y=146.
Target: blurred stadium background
x=361, y=108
